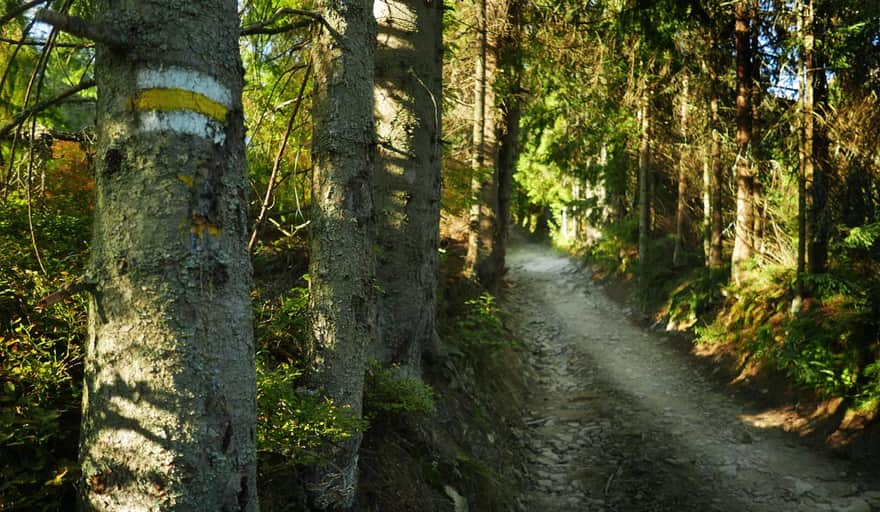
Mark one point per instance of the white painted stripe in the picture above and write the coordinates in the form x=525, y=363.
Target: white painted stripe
x=183, y=121
x=173, y=77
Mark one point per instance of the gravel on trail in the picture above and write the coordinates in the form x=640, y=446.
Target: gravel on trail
x=621, y=420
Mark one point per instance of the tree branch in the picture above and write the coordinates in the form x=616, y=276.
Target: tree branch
x=34, y=42
x=23, y=115
x=81, y=284
x=81, y=28
x=17, y=11
x=262, y=26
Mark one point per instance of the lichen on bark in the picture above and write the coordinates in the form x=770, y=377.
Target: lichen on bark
x=170, y=401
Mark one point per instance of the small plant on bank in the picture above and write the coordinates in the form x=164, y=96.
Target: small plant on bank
x=479, y=330
x=389, y=391
x=293, y=421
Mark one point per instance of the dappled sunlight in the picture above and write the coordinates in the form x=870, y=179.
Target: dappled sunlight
x=786, y=418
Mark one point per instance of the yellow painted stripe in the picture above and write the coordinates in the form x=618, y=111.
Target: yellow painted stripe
x=167, y=100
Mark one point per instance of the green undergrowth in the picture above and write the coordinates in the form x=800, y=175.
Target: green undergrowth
x=40, y=357
x=827, y=344
x=464, y=448
x=388, y=391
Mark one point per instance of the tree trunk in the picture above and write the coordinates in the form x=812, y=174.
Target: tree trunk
x=341, y=264
x=678, y=257
x=707, y=208
x=716, y=236
x=406, y=188
x=644, y=179
x=510, y=65
x=478, y=152
x=759, y=156
x=745, y=180
x=805, y=141
x=169, y=408
x=819, y=214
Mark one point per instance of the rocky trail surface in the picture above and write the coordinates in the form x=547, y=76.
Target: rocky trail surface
x=622, y=420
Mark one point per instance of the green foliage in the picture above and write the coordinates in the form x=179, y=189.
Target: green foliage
x=615, y=253
x=62, y=237
x=388, y=391
x=823, y=347
x=862, y=237
x=478, y=331
x=698, y=295
x=281, y=325
x=40, y=361
x=296, y=422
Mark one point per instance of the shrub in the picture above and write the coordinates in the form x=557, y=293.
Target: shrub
x=478, y=331
x=389, y=391
x=293, y=421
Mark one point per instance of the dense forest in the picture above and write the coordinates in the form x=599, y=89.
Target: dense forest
x=245, y=245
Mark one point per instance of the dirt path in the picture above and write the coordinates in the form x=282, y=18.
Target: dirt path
x=622, y=421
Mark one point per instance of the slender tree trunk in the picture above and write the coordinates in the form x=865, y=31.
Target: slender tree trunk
x=745, y=179
x=707, y=207
x=644, y=188
x=759, y=157
x=681, y=206
x=819, y=214
x=341, y=267
x=716, y=189
x=406, y=188
x=478, y=152
x=805, y=141
x=169, y=408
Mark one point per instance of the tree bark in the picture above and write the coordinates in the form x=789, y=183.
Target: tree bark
x=716, y=237
x=342, y=270
x=745, y=179
x=508, y=104
x=819, y=215
x=169, y=408
x=644, y=188
x=406, y=188
x=478, y=154
x=678, y=256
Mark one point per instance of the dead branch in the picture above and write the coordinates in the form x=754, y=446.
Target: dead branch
x=25, y=114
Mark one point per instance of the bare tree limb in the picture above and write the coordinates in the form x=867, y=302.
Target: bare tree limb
x=276, y=166
x=23, y=115
x=17, y=11
x=81, y=284
x=34, y=42
x=259, y=27
x=81, y=28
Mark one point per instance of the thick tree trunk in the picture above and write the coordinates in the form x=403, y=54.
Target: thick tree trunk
x=678, y=256
x=508, y=154
x=406, y=188
x=745, y=179
x=169, y=408
x=341, y=267
x=508, y=61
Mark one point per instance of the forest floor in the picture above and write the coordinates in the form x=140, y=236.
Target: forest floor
x=623, y=419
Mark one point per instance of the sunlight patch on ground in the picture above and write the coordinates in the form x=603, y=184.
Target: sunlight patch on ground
x=791, y=419
x=786, y=418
